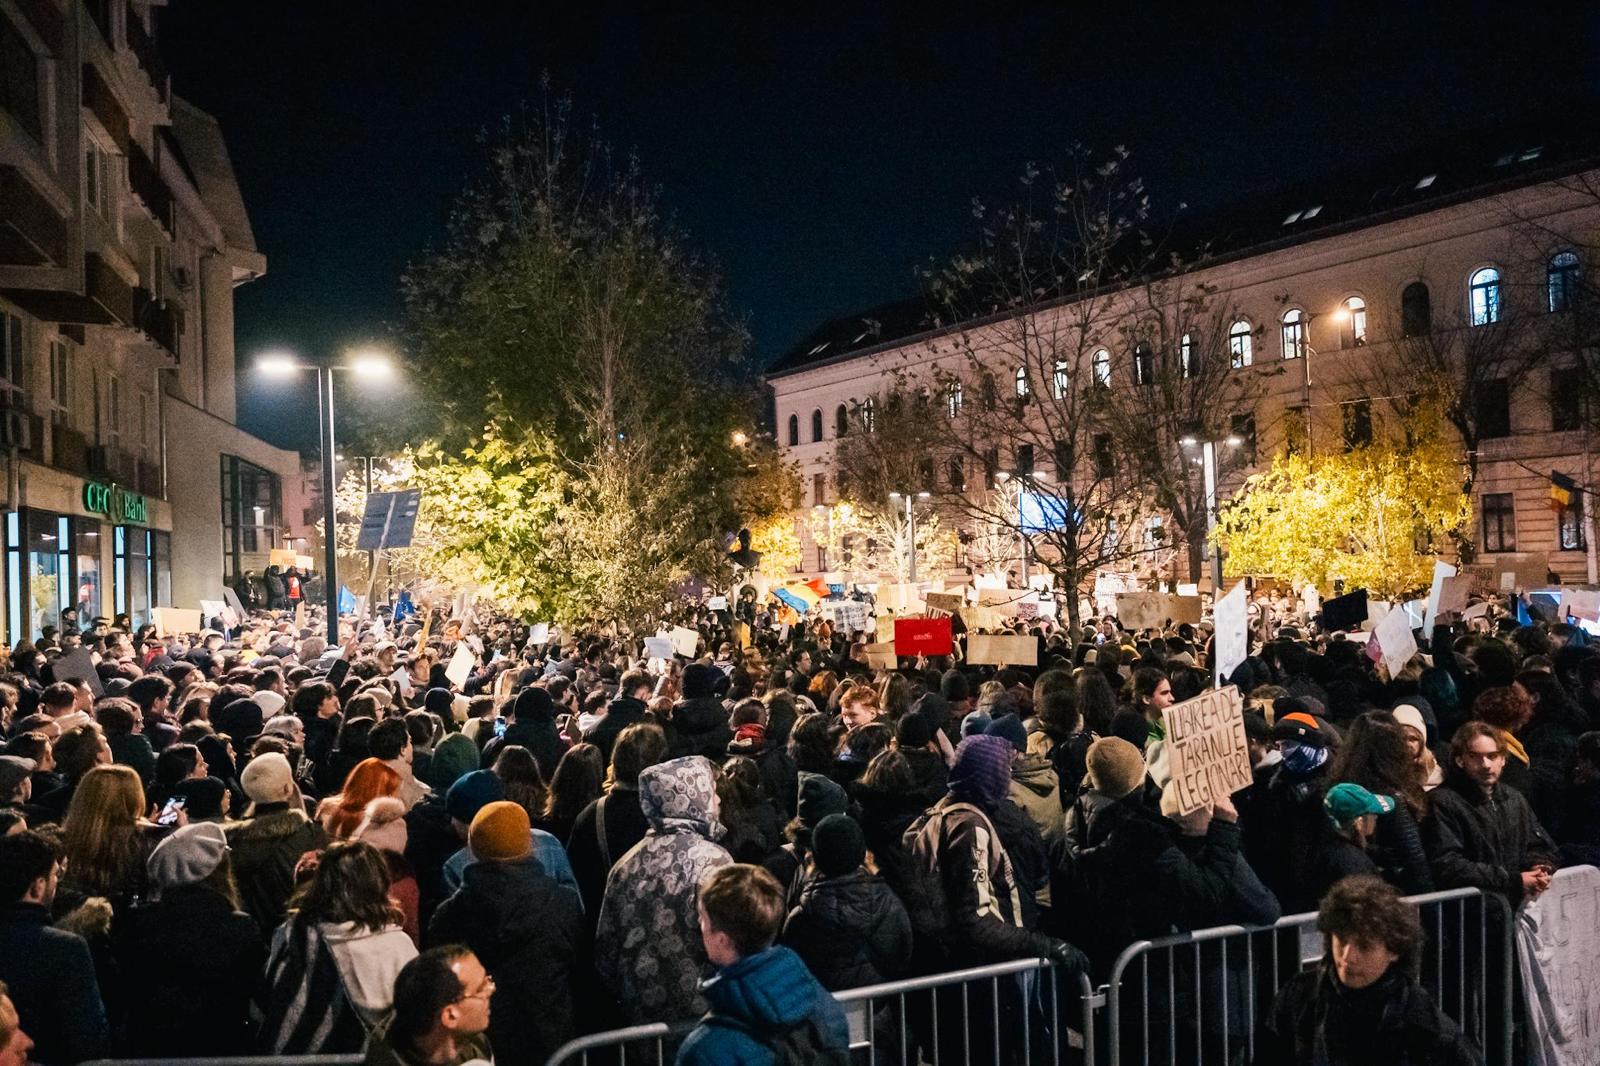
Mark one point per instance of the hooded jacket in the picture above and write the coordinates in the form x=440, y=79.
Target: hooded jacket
x=329, y=984
x=265, y=849
x=1036, y=788
x=648, y=949
x=528, y=931
x=51, y=977
x=534, y=729
x=850, y=931
x=699, y=727
x=758, y=999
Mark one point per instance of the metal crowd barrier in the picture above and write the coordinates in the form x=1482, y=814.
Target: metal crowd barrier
x=1205, y=995
x=1008, y=1013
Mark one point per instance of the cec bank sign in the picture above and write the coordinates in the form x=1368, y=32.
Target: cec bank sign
x=115, y=503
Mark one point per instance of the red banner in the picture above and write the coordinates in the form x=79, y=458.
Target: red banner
x=922, y=636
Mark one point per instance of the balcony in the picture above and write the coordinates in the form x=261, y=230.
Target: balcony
x=143, y=46
x=106, y=299
x=146, y=184
x=102, y=103
x=31, y=233
x=161, y=321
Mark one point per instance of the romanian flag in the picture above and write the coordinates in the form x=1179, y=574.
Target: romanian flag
x=1562, y=491
x=802, y=597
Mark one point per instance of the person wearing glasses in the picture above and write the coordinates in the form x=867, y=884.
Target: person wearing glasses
x=441, y=1013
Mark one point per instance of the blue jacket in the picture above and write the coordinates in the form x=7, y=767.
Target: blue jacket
x=52, y=982
x=766, y=993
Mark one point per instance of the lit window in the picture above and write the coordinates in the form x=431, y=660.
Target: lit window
x=953, y=398
x=1239, y=344
x=1021, y=380
x=869, y=414
x=1355, y=322
x=1294, y=333
x=1186, y=355
x=1292, y=219
x=1484, y=291
x=1561, y=281
x=1101, y=364
x=1059, y=381
x=1144, y=365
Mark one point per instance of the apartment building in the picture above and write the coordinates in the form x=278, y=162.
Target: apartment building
x=1324, y=284
x=122, y=237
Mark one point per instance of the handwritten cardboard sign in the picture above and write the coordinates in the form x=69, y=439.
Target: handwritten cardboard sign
x=1152, y=610
x=1002, y=650
x=882, y=656
x=945, y=601
x=1210, y=756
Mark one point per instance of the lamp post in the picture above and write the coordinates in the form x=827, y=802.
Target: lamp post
x=374, y=365
x=911, y=531
x=1208, y=462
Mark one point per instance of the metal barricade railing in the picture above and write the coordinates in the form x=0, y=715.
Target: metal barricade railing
x=1213, y=987
x=1007, y=1013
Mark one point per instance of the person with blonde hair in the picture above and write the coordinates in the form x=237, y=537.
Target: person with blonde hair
x=106, y=838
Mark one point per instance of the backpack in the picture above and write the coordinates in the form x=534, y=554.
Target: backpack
x=798, y=1045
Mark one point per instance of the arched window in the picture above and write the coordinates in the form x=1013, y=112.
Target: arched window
x=816, y=425
x=953, y=398
x=1239, y=353
x=869, y=413
x=1416, y=310
x=1059, y=382
x=1020, y=378
x=1144, y=364
x=1561, y=281
x=1483, y=292
x=1100, y=363
x=1186, y=356
x=794, y=430
x=987, y=392
x=1294, y=334
x=841, y=421
x=1354, y=332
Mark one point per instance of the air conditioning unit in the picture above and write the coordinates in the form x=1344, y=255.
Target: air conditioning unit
x=16, y=429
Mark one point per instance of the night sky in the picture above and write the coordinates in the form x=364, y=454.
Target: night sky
x=817, y=152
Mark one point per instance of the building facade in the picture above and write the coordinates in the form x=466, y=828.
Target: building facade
x=122, y=237
x=1322, y=291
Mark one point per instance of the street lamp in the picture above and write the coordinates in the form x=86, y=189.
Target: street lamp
x=911, y=530
x=368, y=363
x=1208, y=459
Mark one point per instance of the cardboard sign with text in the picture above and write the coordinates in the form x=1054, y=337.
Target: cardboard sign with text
x=946, y=601
x=1152, y=610
x=1232, y=641
x=281, y=557
x=882, y=656
x=922, y=636
x=997, y=650
x=1210, y=756
x=1442, y=572
x=1394, y=636
x=657, y=648
x=175, y=621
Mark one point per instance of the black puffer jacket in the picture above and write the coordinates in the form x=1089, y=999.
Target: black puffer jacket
x=1393, y=1022
x=1486, y=842
x=699, y=727
x=529, y=933
x=850, y=931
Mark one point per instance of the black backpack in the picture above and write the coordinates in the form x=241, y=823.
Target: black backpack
x=798, y=1045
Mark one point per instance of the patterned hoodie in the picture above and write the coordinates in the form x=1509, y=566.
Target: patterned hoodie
x=647, y=945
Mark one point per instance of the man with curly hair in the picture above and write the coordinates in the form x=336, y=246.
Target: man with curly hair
x=1363, y=1004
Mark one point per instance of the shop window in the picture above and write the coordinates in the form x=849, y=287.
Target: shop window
x=86, y=547
x=252, y=508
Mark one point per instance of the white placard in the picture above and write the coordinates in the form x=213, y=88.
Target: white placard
x=460, y=667
x=1207, y=749
x=684, y=641
x=210, y=609
x=657, y=648
x=1394, y=637
x=1441, y=570
x=1558, y=940
x=1508, y=581
x=539, y=633
x=1188, y=588
x=717, y=603
x=1232, y=641
x=175, y=621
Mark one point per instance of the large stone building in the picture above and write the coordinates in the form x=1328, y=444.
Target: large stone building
x=122, y=237
x=1322, y=287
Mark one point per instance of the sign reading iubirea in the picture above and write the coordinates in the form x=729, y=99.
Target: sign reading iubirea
x=1209, y=754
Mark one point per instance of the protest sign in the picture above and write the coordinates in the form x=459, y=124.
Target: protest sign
x=174, y=621
x=851, y=616
x=717, y=603
x=460, y=667
x=210, y=609
x=1345, y=612
x=882, y=656
x=1558, y=943
x=78, y=665
x=539, y=633
x=1232, y=642
x=284, y=557
x=1442, y=571
x=1581, y=603
x=1394, y=637
x=1000, y=650
x=946, y=601
x=922, y=636
x=1208, y=752
x=303, y=562
x=684, y=641
x=1453, y=595
x=1152, y=610
x=657, y=648
x=1003, y=601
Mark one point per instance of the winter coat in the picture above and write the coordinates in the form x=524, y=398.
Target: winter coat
x=1030, y=858
x=265, y=850
x=133, y=749
x=51, y=980
x=648, y=949
x=529, y=933
x=1552, y=747
x=189, y=963
x=1399, y=853
x=780, y=780
x=328, y=985
x=1036, y=788
x=1394, y=1022
x=1088, y=804
x=850, y=931
x=539, y=736
x=1333, y=859
x=430, y=841
x=885, y=817
x=1283, y=820
x=756, y=1000
x=976, y=913
x=699, y=727
x=1486, y=842
x=932, y=775
x=1068, y=755
x=620, y=714
x=604, y=832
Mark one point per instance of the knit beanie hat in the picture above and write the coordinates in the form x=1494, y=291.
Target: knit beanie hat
x=471, y=793
x=188, y=855
x=268, y=778
x=384, y=825
x=915, y=730
x=1011, y=728
x=838, y=845
x=1114, y=767
x=974, y=723
x=14, y=770
x=820, y=796
x=982, y=772
x=1405, y=714
x=500, y=832
x=700, y=681
x=453, y=757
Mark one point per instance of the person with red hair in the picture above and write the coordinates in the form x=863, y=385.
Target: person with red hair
x=369, y=779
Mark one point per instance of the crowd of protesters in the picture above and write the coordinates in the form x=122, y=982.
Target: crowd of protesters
x=248, y=842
